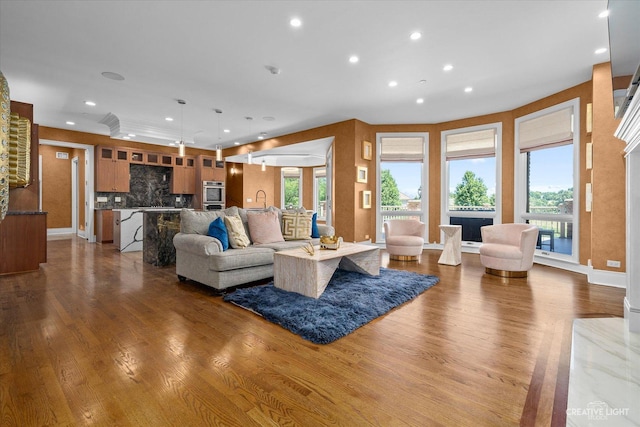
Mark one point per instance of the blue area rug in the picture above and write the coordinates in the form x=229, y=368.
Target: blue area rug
x=349, y=301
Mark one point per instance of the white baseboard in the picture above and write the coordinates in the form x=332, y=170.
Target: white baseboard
x=59, y=231
x=607, y=278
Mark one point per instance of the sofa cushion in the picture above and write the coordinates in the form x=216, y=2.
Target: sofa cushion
x=234, y=259
x=296, y=226
x=237, y=236
x=197, y=222
x=218, y=230
x=264, y=227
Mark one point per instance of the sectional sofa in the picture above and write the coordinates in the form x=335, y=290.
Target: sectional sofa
x=202, y=258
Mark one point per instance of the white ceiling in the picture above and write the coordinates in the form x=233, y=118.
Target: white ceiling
x=213, y=55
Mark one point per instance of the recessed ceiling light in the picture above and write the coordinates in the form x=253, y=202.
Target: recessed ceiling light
x=354, y=59
x=261, y=137
x=448, y=67
x=126, y=137
x=169, y=119
x=268, y=118
x=173, y=144
x=226, y=131
x=415, y=35
x=601, y=50
x=70, y=123
x=90, y=103
x=295, y=22
x=419, y=101
x=423, y=81
x=393, y=83
x=603, y=14
x=112, y=76
x=236, y=143
x=468, y=89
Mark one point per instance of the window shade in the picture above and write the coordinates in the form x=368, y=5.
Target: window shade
x=407, y=149
x=467, y=145
x=552, y=129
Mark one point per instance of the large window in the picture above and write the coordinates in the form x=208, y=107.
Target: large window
x=402, y=178
x=471, y=178
x=547, y=173
x=320, y=193
x=291, y=187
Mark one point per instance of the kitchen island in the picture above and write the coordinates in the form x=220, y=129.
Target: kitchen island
x=159, y=227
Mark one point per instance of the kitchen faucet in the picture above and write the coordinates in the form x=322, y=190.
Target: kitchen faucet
x=265, y=197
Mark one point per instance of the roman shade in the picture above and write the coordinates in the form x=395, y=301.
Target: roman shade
x=402, y=149
x=471, y=145
x=550, y=130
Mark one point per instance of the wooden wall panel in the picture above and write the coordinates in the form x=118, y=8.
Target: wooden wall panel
x=56, y=186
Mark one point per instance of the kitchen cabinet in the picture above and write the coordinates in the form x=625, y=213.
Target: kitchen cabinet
x=112, y=170
x=210, y=170
x=23, y=241
x=137, y=156
x=104, y=226
x=183, y=179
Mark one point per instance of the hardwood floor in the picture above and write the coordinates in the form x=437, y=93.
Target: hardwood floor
x=99, y=337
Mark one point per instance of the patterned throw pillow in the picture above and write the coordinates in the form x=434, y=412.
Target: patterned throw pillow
x=237, y=237
x=296, y=226
x=264, y=227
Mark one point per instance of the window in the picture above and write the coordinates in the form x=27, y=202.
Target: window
x=320, y=193
x=547, y=173
x=291, y=188
x=402, y=178
x=471, y=178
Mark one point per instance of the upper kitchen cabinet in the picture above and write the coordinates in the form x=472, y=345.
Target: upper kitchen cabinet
x=183, y=179
x=112, y=169
x=209, y=169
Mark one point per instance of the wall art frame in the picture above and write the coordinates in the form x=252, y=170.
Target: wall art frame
x=367, y=150
x=366, y=199
x=361, y=174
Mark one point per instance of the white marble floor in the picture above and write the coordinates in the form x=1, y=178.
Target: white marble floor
x=604, y=381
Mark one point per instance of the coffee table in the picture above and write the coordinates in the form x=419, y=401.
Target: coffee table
x=295, y=270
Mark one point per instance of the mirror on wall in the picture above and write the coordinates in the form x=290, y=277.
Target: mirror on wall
x=19, y=151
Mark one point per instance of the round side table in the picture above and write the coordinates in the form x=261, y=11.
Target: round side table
x=452, y=252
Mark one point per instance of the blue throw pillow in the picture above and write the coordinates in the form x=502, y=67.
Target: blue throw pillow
x=315, y=233
x=218, y=230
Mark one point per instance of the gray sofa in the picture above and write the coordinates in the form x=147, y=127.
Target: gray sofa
x=200, y=257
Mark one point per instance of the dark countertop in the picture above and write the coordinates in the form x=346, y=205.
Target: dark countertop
x=26, y=213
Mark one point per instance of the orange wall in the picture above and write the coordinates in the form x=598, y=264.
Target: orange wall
x=608, y=220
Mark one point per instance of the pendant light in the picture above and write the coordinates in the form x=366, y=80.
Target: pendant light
x=264, y=166
x=181, y=144
x=218, y=147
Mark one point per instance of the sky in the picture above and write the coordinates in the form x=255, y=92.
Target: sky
x=551, y=170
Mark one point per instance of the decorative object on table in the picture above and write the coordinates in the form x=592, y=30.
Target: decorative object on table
x=367, y=150
x=5, y=106
x=507, y=249
x=404, y=239
x=309, y=249
x=350, y=301
x=330, y=242
x=366, y=199
x=361, y=175
x=452, y=251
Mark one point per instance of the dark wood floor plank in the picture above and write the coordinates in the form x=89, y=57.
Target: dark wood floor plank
x=100, y=337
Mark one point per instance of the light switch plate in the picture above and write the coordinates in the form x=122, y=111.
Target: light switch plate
x=118, y=199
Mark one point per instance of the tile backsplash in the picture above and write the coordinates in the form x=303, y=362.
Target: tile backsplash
x=149, y=186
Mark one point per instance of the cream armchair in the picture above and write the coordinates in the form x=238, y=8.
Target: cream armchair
x=404, y=238
x=507, y=249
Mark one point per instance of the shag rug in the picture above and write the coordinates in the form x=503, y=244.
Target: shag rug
x=350, y=300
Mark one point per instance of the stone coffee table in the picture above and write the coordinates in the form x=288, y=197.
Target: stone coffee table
x=295, y=270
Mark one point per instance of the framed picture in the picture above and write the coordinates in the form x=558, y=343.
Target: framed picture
x=366, y=199
x=362, y=174
x=366, y=150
